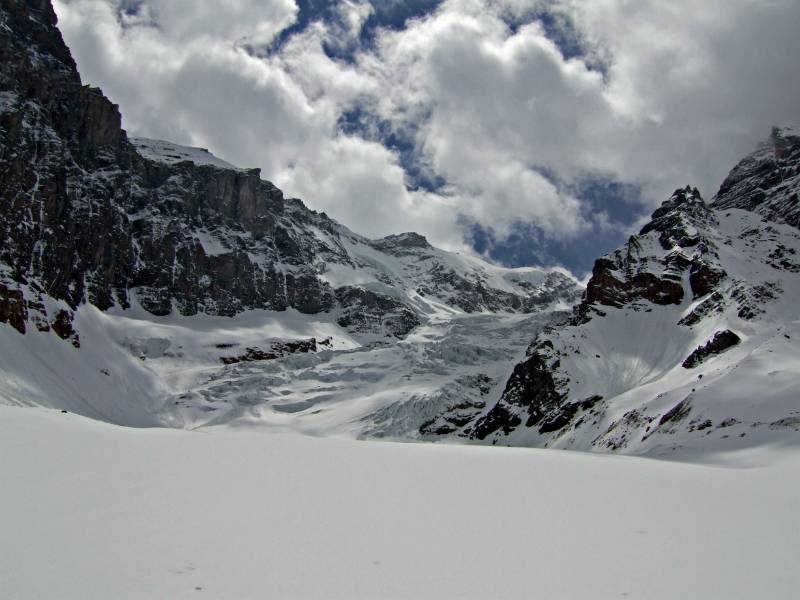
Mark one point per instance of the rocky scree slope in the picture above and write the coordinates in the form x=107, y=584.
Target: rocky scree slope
x=90, y=216
x=686, y=340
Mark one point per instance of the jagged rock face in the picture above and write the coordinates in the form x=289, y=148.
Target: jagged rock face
x=636, y=272
x=87, y=218
x=13, y=309
x=91, y=216
x=767, y=181
x=530, y=394
x=56, y=224
x=721, y=341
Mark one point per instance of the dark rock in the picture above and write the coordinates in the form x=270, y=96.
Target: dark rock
x=714, y=304
x=366, y=311
x=62, y=326
x=767, y=181
x=707, y=424
x=561, y=419
x=750, y=299
x=605, y=288
x=277, y=349
x=402, y=244
x=530, y=392
x=12, y=308
x=704, y=278
x=721, y=341
x=677, y=413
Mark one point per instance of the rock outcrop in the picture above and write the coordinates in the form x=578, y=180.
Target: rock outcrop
x=722, y=340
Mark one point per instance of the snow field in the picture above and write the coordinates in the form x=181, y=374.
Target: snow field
x=91, y=510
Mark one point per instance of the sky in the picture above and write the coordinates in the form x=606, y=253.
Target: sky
x=532, y=132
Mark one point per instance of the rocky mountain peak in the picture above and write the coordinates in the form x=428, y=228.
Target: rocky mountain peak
x=686, y=199
x=785, y=141
x=402, y=243
x=767, y=181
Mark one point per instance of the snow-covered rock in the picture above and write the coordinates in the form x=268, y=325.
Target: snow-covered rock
x=768, y=180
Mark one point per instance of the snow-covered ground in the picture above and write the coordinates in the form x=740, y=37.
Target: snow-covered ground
x=90, y=510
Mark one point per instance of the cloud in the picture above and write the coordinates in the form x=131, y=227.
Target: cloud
x=474, y=113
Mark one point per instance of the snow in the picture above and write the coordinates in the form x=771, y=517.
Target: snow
x=91, y=510
x=131, y=363
x=136, y=369
x=171, y=154
x=402, y=270
x=101, y=380
x=212, y=246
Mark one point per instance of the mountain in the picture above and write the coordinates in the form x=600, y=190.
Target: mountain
x=147, y=283
x=127, y=263
x=685, y=342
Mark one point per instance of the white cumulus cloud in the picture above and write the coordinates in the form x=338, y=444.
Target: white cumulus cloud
x=662, y=94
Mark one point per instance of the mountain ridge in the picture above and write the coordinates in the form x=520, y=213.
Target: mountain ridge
x=100, y=217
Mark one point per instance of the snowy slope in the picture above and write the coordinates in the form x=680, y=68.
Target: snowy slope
x=139, y=370
x=95, y=511
x=171, y=154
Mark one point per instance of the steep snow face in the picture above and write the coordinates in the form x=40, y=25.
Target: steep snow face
x=685, y=345
x=172, y=154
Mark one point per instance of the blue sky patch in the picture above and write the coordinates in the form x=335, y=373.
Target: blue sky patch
x=527, y=244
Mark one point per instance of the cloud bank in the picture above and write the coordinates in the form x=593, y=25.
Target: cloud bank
x=477, y=123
